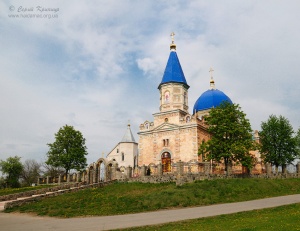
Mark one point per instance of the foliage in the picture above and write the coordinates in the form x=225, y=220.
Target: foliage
x=124, y=198
x=68, y=151
x=231, y=138
x=281, y=218
x=278, y=146
x=12, y=168
x=49, y=170
x=31, y=172
x=297, y=141
x=2, y=182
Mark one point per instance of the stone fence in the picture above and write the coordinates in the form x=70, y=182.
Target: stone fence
x=60, y=179
x=185, y=171
x=188, y=178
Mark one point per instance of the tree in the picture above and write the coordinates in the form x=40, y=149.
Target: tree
x=278, y=146
x=12, y=168
x=49, y=170
x=297, y=140
x=31, y=171
x=231, y=138
x=68, y=151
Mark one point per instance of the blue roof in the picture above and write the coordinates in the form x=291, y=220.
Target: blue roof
x=210, y=99
x=173, y=72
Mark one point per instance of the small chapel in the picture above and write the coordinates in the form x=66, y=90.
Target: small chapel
x=175, y=134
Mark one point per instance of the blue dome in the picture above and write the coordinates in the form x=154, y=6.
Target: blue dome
x=173, y=72
x=210, y=99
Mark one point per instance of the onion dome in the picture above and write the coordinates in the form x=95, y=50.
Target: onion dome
x=211, y=98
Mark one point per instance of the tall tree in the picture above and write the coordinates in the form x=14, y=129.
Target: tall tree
x=12, y=168
x=231, y=138
x=68, y=151
x=297, y=140
x=31, y=171
x=278, y=146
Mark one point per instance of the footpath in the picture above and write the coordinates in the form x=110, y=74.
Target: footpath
x=25, y=222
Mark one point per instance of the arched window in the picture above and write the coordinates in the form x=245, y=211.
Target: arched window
x=188, y=119
x=123, y=156
x=167, y=97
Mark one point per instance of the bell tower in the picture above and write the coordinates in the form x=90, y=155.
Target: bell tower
x=173, y=87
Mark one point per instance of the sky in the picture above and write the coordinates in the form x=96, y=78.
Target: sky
x=96, y=65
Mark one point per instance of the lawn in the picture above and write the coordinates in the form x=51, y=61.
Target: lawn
x=281, y=218
x=122, y=198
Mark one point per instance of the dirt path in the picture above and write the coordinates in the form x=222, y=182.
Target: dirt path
x=24, y=222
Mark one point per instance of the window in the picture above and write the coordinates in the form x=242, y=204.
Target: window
x=123, y=156
x=166, y=142
x=188, y=119
x=117, y=150
x=167, y=97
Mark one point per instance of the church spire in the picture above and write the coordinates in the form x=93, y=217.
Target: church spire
x=128, y=137
x=173, y=72
x=172, y=45
x=212, y=82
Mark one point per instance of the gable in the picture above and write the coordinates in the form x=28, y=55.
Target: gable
x=166, y=127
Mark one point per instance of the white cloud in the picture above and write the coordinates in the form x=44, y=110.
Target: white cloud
x=99, y=63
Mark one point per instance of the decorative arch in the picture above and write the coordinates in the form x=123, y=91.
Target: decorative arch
x=101, y=166
x=91, y=174
x=109, y=166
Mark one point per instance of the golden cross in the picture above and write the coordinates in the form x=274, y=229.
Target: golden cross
x=211, y=72
x=172, y=36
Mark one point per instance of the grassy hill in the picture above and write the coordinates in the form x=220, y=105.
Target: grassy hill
x=122, y=198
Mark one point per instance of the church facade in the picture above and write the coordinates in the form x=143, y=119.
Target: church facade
x=174, y=134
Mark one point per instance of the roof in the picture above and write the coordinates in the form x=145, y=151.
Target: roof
x=210, y=99
x=173, y=72
x=128, y=137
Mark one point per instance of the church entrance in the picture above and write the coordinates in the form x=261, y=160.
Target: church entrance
x=166, y=162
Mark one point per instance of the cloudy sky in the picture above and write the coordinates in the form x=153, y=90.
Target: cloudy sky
x=97, y=64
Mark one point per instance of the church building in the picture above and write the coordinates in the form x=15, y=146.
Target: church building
x=175, y=134
x=170, y=142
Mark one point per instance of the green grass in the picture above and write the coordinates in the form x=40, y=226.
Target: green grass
x=8, y=191
x=278, y=219
x=122, y=198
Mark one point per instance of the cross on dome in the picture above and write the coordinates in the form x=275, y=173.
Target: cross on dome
x=172, y=36
x=212, y=82
x=173, y=45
